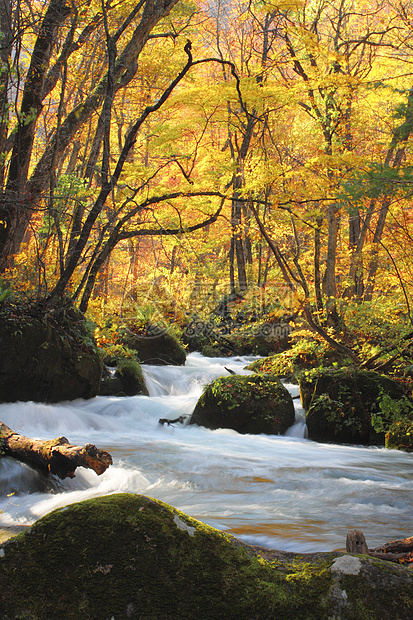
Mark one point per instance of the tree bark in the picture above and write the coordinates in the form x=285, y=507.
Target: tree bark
x=56, y=456
x=23, y=195
x=17, y=208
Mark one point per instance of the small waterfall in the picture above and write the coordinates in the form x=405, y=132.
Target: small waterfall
x=299, y=428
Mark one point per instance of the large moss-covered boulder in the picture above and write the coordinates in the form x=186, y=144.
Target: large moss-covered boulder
x=155, y=345
x=46, y=356
x=340, y=404
x=248, y=404
x=130, y=557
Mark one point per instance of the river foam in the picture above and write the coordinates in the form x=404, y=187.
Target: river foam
x=279, y=491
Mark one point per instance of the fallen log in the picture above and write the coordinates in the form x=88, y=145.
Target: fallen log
x=400, y=551
x=56, y=456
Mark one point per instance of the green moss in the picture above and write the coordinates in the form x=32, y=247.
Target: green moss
x=342, y=403
x=127, y=556
x=130, y=372
x=51, y=355
x=130, y=556
x=247, y=404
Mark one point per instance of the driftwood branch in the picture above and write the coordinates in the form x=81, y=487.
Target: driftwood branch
x=56, y=456
x=400, y=551
x=169, y=422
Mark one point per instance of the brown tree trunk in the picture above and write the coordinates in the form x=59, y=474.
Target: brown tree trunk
x=23, y=195
x=56, y=456
x=17, y=207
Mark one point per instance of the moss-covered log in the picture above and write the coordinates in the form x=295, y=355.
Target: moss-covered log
x=56, y=456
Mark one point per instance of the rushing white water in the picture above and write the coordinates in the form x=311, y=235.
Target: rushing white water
x=284, y=492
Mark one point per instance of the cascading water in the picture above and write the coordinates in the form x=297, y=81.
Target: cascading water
x=284, y=492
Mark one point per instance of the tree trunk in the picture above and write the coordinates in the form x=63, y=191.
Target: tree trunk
x=56, y=456
x=17, y=207
x=24, y=195
x=317, y=270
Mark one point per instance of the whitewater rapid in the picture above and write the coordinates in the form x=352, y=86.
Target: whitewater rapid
x=279, y=491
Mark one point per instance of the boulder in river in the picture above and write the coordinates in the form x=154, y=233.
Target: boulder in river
x=126, y=380
x=340, y=404
x=46, y=356
x=155, y=345
x=246, y=403
x=129, y=556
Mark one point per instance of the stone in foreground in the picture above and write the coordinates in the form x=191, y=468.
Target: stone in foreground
x=128, y=556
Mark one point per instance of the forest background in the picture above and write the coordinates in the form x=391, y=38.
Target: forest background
x=162, y=158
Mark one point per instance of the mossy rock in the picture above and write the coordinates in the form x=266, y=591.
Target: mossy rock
x=261, y=338
x=46, y=357
x=155, y=345
x=112, y=354
x=340, y=404
x=130, y=557
x=304, y=355
x=279, y=364
x=232, y=337
x=400, y=436
x=128, y=380
x=248, y=404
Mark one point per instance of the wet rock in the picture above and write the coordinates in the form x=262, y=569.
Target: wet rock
x=126, y=380
x=340, y=404
x=154, y=345
x=247, y=404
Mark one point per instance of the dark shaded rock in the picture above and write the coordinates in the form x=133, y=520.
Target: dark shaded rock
x=340, y=404
x=248, y=404
x=128, y=380
x=111, y=386
x=127, y=556
x=47, y=357
x=232, y=337
x=155, y=346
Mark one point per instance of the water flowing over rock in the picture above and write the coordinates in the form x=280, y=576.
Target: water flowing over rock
x=275, y=491
x=126, y=380
x=247, y=404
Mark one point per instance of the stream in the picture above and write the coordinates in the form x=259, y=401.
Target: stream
x=284, y=492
